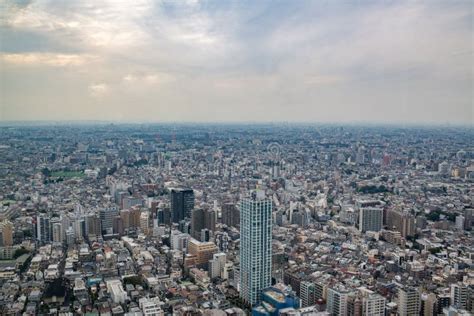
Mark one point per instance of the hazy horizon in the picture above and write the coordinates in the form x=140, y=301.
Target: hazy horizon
x=368, y=124
x=303, y=62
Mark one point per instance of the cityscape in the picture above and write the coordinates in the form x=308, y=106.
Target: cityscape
x=232, y=219
x=237, y=158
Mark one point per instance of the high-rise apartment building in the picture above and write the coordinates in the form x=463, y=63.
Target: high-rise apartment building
x=230, y=215
x=373, y=305
x=6, y=231
x=337, y=300
x=255, y=246
x=409, y=302
x=307, y=294
x=57, y=231
x=468, y=218
x=144, y=222
x=370, y=219
x=401, y=221
x=93, y=225
x=117, y=225
x=43, y=228
x=460, y=295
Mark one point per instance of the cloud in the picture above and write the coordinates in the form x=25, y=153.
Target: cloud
x=229, y=60
x=48, y=59
x=98, y=89
x=147, y=78
x=103, y=24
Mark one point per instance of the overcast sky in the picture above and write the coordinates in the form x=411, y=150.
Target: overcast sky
x=312, y=61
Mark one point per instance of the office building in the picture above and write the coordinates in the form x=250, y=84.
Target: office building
x=202, y=219
x=107, y=216
x=164, y=216
x=217, y=265
x=182, y=203
x=230, y=215
x=203, y=252
x=179, y=240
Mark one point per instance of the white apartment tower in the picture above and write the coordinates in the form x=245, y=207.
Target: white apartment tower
x=255, y=246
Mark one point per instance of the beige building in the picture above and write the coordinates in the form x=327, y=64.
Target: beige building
x=6, y=229
x=203, y=251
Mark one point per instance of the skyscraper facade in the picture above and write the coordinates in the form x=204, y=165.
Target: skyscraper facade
x=107, y=216
x=255, y=246
x=202, y=219
x=182, y=203
x=43, y=228
x=230, y=215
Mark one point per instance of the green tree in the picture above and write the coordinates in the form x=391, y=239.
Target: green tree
x=20, y=252
x=135, y=280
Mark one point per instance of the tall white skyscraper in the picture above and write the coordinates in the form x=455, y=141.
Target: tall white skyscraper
x=255, y=246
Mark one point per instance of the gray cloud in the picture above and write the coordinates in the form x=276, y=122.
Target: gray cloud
x=238, y=61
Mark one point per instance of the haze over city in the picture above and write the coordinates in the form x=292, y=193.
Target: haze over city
x=238, y=61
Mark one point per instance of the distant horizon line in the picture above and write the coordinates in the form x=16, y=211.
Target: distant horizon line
x=44, y=122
